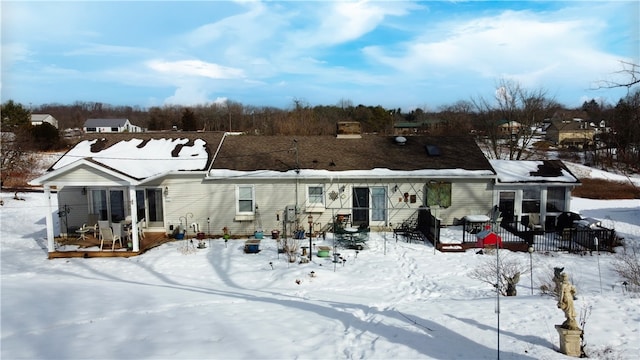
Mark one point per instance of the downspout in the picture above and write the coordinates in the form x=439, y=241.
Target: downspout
x=49, y=220
x=295, y=149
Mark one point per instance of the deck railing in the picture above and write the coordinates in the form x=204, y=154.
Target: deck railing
x=570, y=239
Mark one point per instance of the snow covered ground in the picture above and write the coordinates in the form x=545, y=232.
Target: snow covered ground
x=391, y=300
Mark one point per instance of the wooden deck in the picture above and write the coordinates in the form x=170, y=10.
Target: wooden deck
x=87, y=247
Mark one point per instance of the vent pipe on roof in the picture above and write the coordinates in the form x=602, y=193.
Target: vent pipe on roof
x=401, y=140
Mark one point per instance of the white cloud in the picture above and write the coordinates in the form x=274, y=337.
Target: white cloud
x=341, y=22
x=105, y=49
x=15, y=52
x=187, y=95
x=532, y=48
x=195, y=68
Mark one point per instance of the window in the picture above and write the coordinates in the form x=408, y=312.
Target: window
x=531, y=200
x=245, y=196
x=316, y=195
x=99, y=204
x=555, y=199
x=439, y=193
x=378, y=204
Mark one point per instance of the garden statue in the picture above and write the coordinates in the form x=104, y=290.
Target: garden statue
x=565, y=302
x=570, y=333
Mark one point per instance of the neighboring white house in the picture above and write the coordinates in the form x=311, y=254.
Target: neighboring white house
x=39, y=119
x=110, y=125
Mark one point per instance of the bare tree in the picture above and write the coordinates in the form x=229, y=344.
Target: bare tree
x=629, y=71
x=16, y=161
x=508, y=120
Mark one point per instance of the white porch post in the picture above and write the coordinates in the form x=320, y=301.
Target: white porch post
x=135, y=241
x=49, y=220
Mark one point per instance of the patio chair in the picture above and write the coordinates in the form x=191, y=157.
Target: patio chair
x=117, y=229
x=103, y=224
x=141, y=226
x=107, y=235
x=534, y=222
x=92, y=221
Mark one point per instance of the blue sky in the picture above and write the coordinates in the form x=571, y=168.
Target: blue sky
x=395, y=54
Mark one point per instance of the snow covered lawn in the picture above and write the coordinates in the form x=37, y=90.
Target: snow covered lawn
x=388, y=301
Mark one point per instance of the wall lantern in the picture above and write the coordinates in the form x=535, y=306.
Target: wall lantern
x=166, y=191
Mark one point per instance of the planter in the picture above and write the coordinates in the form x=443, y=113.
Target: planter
x=323, y=251
x=275, y=234
x=258, y=234
x=180, y=236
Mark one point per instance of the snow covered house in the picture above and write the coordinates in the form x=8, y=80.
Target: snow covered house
x=110, y=126
x=248, y=183
x=204, y=182
x=39, y=119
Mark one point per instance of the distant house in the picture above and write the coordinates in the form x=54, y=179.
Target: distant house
x=110, y=125
x=506, y=128
x=39, y=119
x=421, y=127
x=571, y=132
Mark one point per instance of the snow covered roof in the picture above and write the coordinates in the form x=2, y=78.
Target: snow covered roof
x=96, y=123
x=532, y=171
x=272, y=157
x=141, y=158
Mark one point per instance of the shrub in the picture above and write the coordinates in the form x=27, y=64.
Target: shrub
x=627, y=266
x=510, y=271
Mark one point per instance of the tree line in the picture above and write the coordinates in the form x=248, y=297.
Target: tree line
x=479, y=116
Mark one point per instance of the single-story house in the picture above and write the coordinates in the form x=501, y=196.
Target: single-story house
x=247, y=183
x=110, y=125
x=39, y=119
x=204, y=182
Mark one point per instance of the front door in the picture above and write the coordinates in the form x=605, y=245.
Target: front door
x=108, y=204
x=378, y=206
x=360, y=206
x=507, y=206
